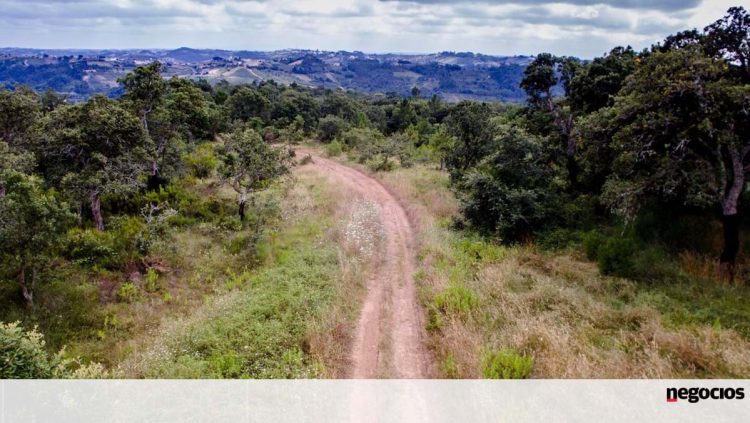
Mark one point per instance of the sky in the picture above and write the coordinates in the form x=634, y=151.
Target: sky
x=582, y=28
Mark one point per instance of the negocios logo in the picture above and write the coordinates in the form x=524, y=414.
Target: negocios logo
x=693, y=395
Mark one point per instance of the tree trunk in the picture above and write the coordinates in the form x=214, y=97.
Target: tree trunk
x=731, y=224
x=565, y=126
x=242, y=202
x=26, y=291
x=730, y=217
x=154, y=181
x=572, y=166
x=2, y=190
x=96, y=210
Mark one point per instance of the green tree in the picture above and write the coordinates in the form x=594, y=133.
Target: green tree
x=509, y=192
x=144, y=90
x=469, y=123
x=13, y=160
x=293, y=103
x=729, y=38
x=246, y=103
x=32, y=222
x=19, y=110
x=93, y=148
x=250, y=164
x=680, y=131
x=595, y=84
x=331, y=127
x=541, y=78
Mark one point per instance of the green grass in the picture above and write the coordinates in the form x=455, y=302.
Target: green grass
x=697, y=302
x=265, y=321
x=506, y=364
x=262, y=332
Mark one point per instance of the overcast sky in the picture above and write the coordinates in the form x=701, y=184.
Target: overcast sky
x=584, y=28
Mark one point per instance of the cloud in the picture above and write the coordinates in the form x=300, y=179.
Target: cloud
x=572, y=27
x=664, y=5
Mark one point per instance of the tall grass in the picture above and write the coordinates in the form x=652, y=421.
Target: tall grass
x=524, y=311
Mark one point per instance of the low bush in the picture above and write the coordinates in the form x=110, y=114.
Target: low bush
x=151, y=282
x=23, y=355
x=626, y=256
x=334, y=149
x=506, y=364
x=90, y=247
x=456, y=299
x=380, y=164
x=615, y=257
x=202, y=162
x=128, y=293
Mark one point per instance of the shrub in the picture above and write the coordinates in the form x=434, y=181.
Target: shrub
x=559, y=238
x=90, y=247
x=23, y=356
x=202, y=162
x=380, y=164
x=152, y=280
x=449, y=368
x=456, y=299
x=506, y=364
x=128, y=292
x=615, y=257
x=334, y=148
x=627, y=257
x=359, y=137
x=511, y=190
x=131, y=238
x=592, y=240
x=331, y=127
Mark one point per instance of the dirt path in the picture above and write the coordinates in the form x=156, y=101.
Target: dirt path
x=390, y=339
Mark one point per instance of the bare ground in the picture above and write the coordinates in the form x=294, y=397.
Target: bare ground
x=390, y=339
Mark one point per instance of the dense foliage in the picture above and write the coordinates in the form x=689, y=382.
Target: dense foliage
x=630, y=134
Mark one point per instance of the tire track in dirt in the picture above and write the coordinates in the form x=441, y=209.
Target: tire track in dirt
x=390, y=337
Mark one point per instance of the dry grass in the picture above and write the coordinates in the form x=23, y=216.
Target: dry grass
x=554, y=307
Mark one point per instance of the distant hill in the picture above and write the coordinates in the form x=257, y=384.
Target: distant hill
x=450, y=75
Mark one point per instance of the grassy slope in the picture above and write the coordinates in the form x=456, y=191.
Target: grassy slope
x=487, y=301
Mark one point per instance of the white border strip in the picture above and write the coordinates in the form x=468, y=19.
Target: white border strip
x=365, y=401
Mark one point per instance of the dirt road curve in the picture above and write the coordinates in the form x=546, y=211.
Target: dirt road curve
x=390, y=339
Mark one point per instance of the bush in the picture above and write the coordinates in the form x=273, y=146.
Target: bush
x=132, y=238
x=334, y=149
x=90, y=247
x=510, y=193
x=380, y=164
x=513, y=213
x=330, y=127
x=615, y=257
x=456, y=299
x=128, y=292
x=202, y=162
x=506, y=364
x=152, y=280
x=592, y=241
x=558, y=239
x=23, y=356
x=359, y=137
x=627, y=257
